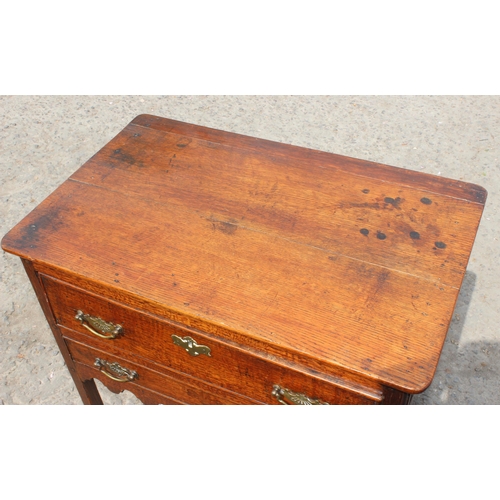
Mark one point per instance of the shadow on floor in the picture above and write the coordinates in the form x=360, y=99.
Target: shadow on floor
x=468, y=372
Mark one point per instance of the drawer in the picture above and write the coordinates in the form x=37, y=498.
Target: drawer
x=231, y=367
x=146, y=396
x=136, y=378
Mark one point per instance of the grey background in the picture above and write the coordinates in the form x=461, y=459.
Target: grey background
x=44, y=139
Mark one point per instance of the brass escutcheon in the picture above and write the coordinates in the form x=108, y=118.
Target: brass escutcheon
x=288, y=397
x=106, y=330
x=191, y=346
x=115, y=371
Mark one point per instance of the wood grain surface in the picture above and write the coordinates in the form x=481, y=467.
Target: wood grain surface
x=353, y=264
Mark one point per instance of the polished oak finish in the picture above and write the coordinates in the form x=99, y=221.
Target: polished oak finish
x=219, y=267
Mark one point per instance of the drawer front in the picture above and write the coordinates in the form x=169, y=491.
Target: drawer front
x=142, y=335
x=113, y=370
x=146, y=396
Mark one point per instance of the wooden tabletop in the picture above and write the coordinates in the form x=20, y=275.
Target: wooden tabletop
x=353, y=263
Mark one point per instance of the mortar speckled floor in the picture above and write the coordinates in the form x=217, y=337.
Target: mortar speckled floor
x=44, y=139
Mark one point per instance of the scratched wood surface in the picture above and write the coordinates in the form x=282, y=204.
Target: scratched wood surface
x=352, y=263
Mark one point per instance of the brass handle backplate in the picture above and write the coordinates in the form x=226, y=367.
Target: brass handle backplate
x=288, y=397
x=191, y=346
x=115, y=371
x=98, y=326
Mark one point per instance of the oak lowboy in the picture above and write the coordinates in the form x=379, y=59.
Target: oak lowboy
x=194, y=266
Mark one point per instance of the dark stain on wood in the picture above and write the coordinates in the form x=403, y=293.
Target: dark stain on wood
x=395, y=202
x=426, y=201
x=414, y=235
x=123, y=156
x=381, y=279
x=29, y=236
x=381, y=236
x=183, y=143
x=225, y=227
x=480, y=194
x=364, y=232
x=440, y=244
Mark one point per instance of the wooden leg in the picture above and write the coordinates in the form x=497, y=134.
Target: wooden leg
x=86, y=388
x=394, y=397
x=88, y=391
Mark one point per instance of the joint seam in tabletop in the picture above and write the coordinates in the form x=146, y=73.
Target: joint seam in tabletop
x=339, y=167
x=276, y=235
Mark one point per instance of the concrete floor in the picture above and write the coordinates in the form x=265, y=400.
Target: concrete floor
x=45, y=139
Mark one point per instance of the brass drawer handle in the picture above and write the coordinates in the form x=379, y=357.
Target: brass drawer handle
x=108, y=330
x=115, y=371
x=191, y=346
x=287, y=397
